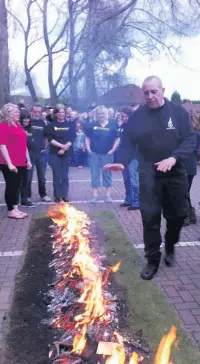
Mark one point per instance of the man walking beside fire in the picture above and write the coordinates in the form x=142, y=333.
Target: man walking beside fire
x=165, y=138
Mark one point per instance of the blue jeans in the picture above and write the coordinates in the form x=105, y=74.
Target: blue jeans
x=38, y=160
x=60, y=169
x=117, y=155
x=134, y=179
x=96, y=163
x=127, y=186
x=80, y=157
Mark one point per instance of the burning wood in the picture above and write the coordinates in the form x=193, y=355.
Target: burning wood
x=79, y=300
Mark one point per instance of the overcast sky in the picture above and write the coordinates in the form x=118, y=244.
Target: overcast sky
x=183, y=77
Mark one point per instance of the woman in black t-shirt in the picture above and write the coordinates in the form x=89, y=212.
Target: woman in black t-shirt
x=60, y=134
x=25, y=121
x=102, y=141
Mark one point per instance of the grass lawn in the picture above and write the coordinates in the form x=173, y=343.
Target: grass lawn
x=149, y=312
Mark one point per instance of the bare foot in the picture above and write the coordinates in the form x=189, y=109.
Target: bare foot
x=23, y=214
x=16, y=214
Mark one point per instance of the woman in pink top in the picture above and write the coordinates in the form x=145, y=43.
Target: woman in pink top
x=14, y=157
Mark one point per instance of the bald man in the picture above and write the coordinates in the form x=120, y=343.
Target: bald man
x=165, y=138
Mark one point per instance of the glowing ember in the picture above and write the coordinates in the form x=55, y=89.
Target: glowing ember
x=74, y=235
x=164, y=350
x=80, y=298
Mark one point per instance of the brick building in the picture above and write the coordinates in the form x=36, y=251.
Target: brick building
x=192, y=107
x=122, y=96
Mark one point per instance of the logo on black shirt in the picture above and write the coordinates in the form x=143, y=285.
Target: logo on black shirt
x=99, y=128
x=56, y=128
x=170, y=125
x=38, y=127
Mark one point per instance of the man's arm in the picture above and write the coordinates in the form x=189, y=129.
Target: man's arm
x=187, y=135
x=87, y=144
x=128, y=142
x=127, y=147
x=187, y=143
x=115, y=146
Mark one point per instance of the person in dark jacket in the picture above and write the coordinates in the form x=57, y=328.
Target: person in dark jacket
x=60, y=134
x=79, y=147
x=49, y=114
x=40, y=155
x=25, y=121
x=90, y=117
x=130, y=172
x=191, y=168
x=165, y=138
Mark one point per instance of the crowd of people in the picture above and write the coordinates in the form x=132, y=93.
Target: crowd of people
x=155, y=146
x=60, y=137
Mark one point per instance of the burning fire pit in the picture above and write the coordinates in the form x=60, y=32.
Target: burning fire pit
x=82, y=308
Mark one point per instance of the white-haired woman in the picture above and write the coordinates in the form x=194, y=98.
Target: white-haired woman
x=14, y=157
x=102, y=140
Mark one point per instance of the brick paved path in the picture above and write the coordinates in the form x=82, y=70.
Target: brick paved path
x=180, y=284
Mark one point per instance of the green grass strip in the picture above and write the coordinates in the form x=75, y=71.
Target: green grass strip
x=148, y=309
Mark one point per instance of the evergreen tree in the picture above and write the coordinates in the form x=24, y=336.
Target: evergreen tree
x=176, y=98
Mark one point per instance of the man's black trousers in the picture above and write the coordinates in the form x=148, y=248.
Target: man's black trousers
x=167, y=195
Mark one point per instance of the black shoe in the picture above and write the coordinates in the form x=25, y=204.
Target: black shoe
x=169, y=259
x=124, y=204
x=65, y=199
x=133, y=208
x=149, y=271
x=192, y=216
x=186, y=221
x=57, y=200
x=27, y=203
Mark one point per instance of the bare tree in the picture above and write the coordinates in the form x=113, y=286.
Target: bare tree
x=17, y=78
x=81, y=41
x=4, y=61
x=134, y=28
x=39, y=32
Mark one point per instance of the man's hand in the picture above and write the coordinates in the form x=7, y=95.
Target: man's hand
x=166, y=164
x=114, y=167
x=61, y=152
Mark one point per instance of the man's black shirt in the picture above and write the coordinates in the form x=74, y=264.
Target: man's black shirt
x=159, y=134
x=38, y=127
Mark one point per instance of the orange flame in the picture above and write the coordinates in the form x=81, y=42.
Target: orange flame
x=116, y=267
x=164, y=349
x=74, y=229
x=118, y=356
x=79, y=342
x=133, y=359
x=74, y=234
